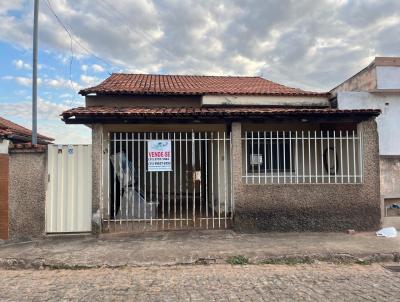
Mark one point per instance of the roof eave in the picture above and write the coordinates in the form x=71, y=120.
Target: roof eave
x=189, y=118
x=86, y=92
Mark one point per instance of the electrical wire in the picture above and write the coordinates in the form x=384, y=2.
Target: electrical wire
x=73, y=38
x=71, y=50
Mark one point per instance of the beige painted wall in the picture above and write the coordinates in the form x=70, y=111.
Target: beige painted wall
x=143, y=100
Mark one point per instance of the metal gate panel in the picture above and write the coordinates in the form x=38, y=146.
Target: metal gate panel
x=69, y=189
x=196, y=193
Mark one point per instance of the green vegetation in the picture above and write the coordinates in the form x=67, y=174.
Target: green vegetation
x=238, y=260
x=287, y=261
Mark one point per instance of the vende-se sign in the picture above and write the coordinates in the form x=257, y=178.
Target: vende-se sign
x=159, y=155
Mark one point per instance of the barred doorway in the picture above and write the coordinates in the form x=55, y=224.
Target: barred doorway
x=190, y=188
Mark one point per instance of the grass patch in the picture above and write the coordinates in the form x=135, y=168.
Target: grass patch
x=363, y=262
x=287, y=261
x=69, y=267
x=238, y=260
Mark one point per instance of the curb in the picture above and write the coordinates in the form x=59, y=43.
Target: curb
x=336, y=258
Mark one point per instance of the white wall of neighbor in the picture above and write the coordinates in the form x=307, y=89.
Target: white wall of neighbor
x=265, y=100
x=388, y=77
x=389, y=120
x=4, y=146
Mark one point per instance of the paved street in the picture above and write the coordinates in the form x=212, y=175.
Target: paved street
x=315, y=282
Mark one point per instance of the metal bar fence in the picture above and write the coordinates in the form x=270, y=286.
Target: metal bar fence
x=302, y=157
x=196, y=193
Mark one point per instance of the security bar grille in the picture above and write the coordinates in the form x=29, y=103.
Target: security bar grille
x=194, y=193
x=302, y=157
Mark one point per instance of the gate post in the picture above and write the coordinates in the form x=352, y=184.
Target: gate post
x=97, y=150
x=237, y=153
x=236, y=164
x=4, y=174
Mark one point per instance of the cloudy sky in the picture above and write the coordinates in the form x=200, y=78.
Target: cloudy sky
x=301, y=43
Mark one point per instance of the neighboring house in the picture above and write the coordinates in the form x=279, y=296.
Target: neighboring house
x=378, y=86
x=174, y=151
x=22, y=181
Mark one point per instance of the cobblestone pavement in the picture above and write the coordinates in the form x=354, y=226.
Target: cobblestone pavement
x=317, y=282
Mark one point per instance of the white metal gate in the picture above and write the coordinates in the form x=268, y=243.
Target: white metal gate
x=69, y=189
x=195, y=193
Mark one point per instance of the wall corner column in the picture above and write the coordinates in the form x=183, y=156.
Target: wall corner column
x=371, y=171
x=237, y=186
x=237, y=154
x=4, y=179
x=97, y=146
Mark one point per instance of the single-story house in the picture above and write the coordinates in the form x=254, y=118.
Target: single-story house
x=22, y=181
x=179, y=151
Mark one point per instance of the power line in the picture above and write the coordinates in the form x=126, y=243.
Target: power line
x=73, y=38
x=73, y=101
x=71, y=45
x=114, y=10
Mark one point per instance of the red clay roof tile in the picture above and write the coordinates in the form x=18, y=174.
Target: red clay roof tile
x=145, y=84
x=146, y=112
x=8, y=128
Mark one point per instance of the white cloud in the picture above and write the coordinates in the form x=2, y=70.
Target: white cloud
x=57, y=82
x=19, y=64
x=97, y=68
x=89, y=80
x=65, y=95
x=312, y=44
x=6, y=6
x=46, y=109
x=23, y=81
x=62, y=83
x=65, y=134
x=49, y=121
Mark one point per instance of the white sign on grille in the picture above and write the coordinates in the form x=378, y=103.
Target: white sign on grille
x=159, y=155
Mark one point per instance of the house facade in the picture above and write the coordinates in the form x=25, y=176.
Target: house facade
x=378, y=86
x=178, y=152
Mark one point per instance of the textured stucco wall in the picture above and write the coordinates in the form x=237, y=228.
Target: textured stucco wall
x=27, y=194
x=4, y=164
x=97, y=131
x=390, y=176
x=309, y=207
x=362, y=81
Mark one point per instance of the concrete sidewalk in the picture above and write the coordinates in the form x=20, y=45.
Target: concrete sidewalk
x=189, y=247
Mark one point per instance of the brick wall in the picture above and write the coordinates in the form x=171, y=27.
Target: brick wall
x=4, y=164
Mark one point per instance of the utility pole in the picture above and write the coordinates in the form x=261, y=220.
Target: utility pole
x=34, y=72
